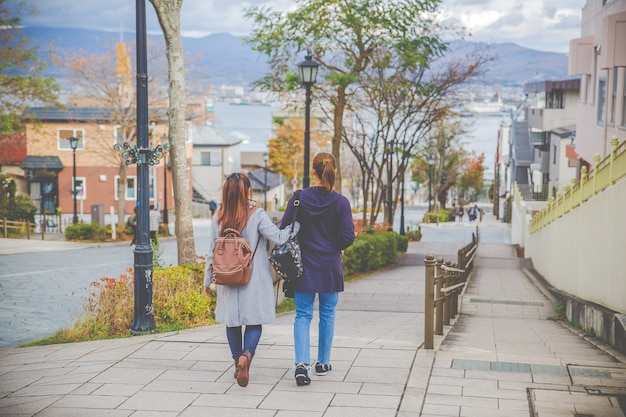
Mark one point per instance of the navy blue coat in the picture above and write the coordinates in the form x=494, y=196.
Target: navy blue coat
x=326, y=229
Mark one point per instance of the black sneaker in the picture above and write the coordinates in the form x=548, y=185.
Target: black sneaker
x=302, y=374
x=322, y=369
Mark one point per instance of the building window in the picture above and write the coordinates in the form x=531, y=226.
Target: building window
x=601, y=105
x=613, y=97
x=554, y=155
x=554, y=100
x=213, y=158
x=81, y=188
x=64, y=135
x=131, y=187
x=122, y=135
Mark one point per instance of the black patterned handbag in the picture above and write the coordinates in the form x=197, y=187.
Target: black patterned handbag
x=287, y=258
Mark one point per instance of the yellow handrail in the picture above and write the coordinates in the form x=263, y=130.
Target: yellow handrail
x=605, y=173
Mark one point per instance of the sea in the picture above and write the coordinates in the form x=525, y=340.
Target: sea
x=253, y=122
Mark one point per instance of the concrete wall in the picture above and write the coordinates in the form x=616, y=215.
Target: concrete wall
x=582, y=256
x=582, y=253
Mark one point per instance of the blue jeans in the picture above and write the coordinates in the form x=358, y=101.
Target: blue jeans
x=302, y=325
x=250, y=340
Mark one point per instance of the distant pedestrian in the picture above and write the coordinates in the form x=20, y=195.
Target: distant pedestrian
x=461, y=212
x=453, y=212
x=212, y=207
x=132, y=224
x=155, y=219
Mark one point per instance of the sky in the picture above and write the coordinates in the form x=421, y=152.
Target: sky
x=545, y=25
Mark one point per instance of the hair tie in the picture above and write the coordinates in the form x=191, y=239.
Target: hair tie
x=325, y=161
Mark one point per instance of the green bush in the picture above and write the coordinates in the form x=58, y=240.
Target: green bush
x=84, y=231
x=371, y=251
x=403, y=243
x=443, y=215
x=414, y=235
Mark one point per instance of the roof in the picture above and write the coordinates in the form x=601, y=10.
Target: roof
x=549, y=86
x=77, y=114
x=84, y=114
x=209, y=136
x=45, y=162
x=257, y=178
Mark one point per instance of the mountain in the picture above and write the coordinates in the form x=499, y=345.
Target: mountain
x=227, y=61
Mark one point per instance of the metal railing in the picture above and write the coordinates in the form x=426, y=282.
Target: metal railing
x=444, y=282
x=606, y=173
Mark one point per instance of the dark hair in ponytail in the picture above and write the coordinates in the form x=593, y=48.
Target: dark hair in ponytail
x=234, y=210
x=325, y=168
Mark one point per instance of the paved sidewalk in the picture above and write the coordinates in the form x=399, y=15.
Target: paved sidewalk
x=504, y=356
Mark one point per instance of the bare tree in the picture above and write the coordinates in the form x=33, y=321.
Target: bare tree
x=168, y=13
x=106, y=80
x=394, y=111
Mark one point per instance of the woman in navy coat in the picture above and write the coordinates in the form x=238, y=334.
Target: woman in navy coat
x=326, y=229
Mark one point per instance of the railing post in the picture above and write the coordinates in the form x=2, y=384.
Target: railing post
x=614, y=143
x=440, y=300
x=429, y=300
x=583, y=180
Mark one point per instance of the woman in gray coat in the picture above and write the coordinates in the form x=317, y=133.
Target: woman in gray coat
x=251, y=305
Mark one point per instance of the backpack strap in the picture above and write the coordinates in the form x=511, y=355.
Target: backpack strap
x=244, y=225
x=296, y=204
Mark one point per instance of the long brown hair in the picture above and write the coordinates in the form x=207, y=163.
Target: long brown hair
x=325, y=167
x=233, y=213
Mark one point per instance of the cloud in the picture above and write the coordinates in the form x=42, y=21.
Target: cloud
x=530, y=23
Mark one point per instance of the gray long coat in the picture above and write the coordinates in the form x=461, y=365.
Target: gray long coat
x=253, y=303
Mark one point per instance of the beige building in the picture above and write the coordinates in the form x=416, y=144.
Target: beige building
x=599, y=57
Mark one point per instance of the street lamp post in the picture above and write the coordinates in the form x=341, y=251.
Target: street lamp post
x=402, y=199
x=165, y=218
x=144, y=157
x=265, y=159
x=74, y=145
x=431, y=162
x=390, y=189
x=308, y=76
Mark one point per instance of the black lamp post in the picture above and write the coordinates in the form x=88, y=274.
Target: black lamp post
x=308, y=76
x=74, y=145
x=144, y=157
x=402, y=198
x=390, y=189
x=431, y=162
x=165, y=219
x=265, y=159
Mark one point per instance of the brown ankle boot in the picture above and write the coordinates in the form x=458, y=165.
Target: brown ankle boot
x=243, y=367
x=236, y=369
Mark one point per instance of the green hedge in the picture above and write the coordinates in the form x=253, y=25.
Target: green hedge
x=372, y=251
x=444, y=216
x=84, y=231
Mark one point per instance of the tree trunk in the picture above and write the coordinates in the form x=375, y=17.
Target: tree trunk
x=340, y=106
x=168, y=13
x=121, y=192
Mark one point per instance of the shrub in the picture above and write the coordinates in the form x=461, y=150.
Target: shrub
x=443, y=215
x=414, y=235
x=403, y=243
x=178, y=299
x=84, y=231
x=371, y=251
